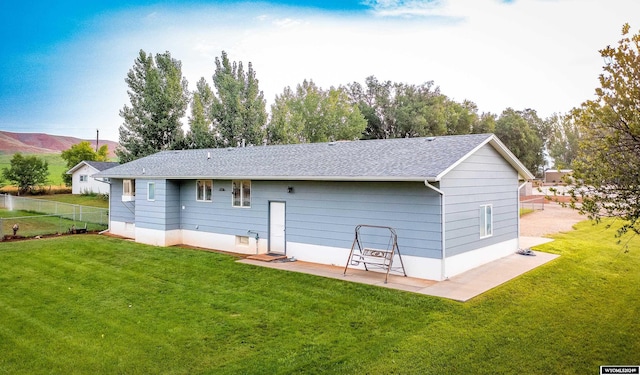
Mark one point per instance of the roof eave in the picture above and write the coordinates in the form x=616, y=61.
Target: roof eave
x=523, y=172
x=77, y=166
x=276, y=178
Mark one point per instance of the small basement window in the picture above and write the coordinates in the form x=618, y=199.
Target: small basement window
x=486, y=221
x=242, y=240
x=203, y=190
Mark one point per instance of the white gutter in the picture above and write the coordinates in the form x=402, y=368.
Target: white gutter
x=443, y=270
x=276, y=178
x=106, y=181
x=518, y=197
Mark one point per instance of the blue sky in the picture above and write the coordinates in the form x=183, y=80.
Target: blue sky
x=63, y=63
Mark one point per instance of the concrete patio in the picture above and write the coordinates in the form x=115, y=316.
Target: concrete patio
x=460, y=288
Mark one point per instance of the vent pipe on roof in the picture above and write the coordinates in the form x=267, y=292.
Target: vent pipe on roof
x=208, y=155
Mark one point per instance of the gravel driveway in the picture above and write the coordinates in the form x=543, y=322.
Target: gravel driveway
x=553, y=219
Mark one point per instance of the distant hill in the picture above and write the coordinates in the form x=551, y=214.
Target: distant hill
x=39, y=143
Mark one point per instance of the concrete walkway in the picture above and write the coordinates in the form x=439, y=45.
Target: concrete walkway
x=469, y=284
x=460, y=288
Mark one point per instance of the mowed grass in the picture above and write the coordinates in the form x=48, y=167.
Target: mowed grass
x=93, y=304
x=57, y=166
x=97, y=200
x=33, y=224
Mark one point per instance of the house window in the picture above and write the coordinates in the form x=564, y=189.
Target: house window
x=203, y=190
x=486, y=221
x=151, y=191
x=128, y=190
x=241, y=193
x=84, y=178
x=242, y=240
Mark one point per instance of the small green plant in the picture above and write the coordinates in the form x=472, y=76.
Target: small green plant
x=89, y=193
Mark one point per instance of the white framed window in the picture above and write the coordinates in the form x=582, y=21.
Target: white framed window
x=203, y=190
x=486, y=220
x=128, y=190
x=241, y=196
x=84, y=178
x=151, y=191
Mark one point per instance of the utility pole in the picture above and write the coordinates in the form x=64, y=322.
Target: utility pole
x=97, y=138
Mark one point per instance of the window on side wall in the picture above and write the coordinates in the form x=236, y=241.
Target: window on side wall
x=203, y=190
x=84, y=178
x=486, y=221
x=128, y=190
x=151, y=191
x=241, y=196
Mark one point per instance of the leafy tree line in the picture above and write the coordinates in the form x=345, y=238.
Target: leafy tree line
x=600, y=139
x=231, y=110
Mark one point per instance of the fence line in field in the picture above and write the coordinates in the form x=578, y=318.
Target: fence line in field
x=75, y=212
x=536, y=204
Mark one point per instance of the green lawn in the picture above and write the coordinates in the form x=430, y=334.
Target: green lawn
x=57, y=166
x=100, y=201
x=92, y=304
x=33, y=224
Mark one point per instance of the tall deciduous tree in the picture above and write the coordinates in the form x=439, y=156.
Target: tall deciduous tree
x=26, y=172
x=608, y=164
x=311, y=114
x=519, y=135
x=159, y=97
x=238, y=112
x=486, y=123
x=201, y=132
x=79, y=152
x=394, y=110
x=375, y=101
x=564, y=140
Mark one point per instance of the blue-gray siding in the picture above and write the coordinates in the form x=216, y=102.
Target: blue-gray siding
x=118, y=210
x=484, y=178
x=323, y=213
x=162, y=213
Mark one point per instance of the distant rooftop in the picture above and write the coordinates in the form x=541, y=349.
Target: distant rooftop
x=102, y=165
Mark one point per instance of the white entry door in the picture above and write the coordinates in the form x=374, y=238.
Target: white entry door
x=277, y=227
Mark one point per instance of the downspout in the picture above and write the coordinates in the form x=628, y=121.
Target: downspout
x=108, y=212
x=443, y=270
x=519, y=188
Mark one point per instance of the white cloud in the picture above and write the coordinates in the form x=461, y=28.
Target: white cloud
x=405, y=8
x=530, y=53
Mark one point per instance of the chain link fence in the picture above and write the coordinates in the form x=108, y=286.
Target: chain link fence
x=34, y=217
x=535, y=204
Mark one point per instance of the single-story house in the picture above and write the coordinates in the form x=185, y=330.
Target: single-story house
x=453, y=200
x=82, y=180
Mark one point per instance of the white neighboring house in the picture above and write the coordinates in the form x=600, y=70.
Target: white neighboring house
x=81, y=180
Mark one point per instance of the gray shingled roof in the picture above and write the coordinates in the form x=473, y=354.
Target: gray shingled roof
x=102, y=165
x=98, y=165
x=402, y=159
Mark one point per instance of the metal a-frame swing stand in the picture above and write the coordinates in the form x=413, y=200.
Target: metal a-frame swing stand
x=375, y=258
